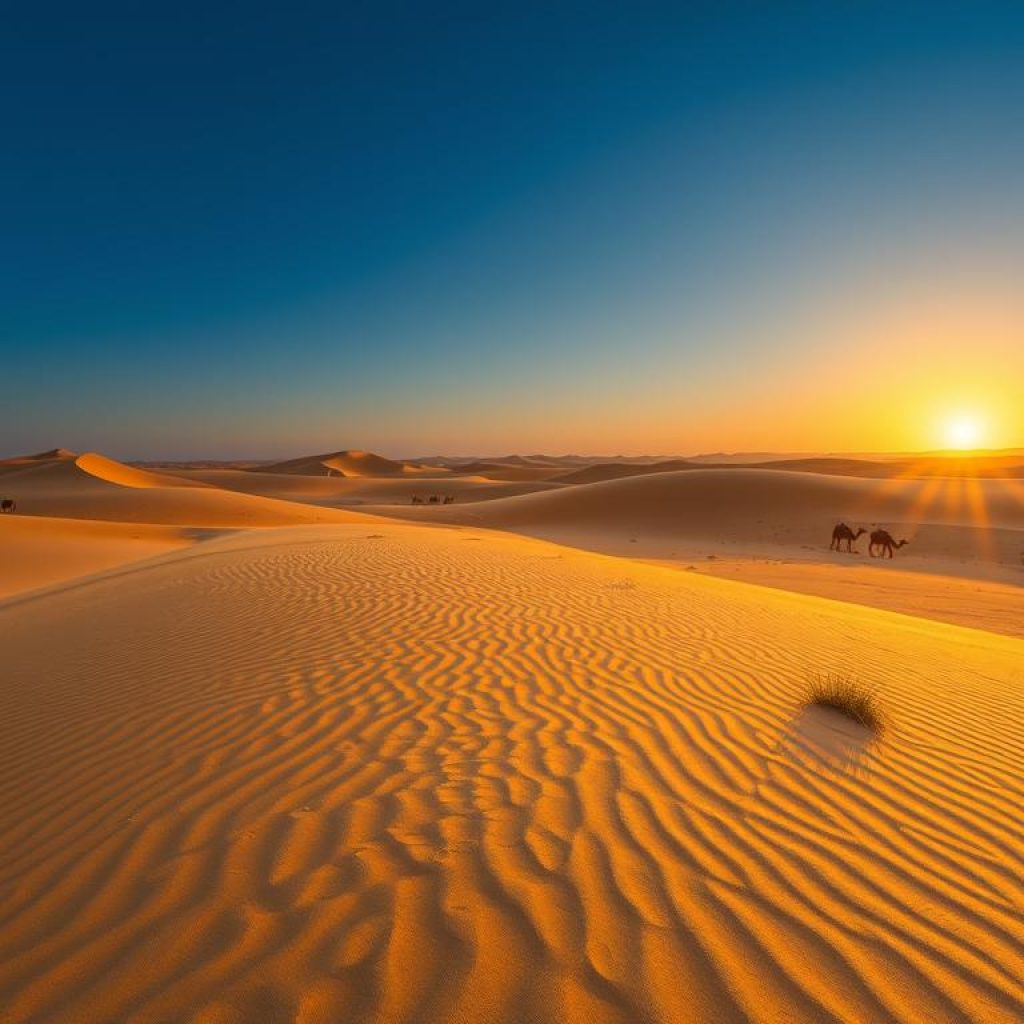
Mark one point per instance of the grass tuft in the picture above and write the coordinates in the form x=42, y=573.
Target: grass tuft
x=845, y=695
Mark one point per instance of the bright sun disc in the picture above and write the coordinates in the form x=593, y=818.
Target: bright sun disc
x=963, y=432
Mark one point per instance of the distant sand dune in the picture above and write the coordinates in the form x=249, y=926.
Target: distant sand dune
x=20, y=462
x=94, y=487
x=345, y=463
x=420, y=775
x=338, y=491
x=958, y=519
x=965, y=563
x=925, y=467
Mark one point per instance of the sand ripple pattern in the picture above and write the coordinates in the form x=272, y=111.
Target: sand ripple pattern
x=432, y=775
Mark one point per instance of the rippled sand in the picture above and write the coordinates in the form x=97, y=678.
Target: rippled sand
x=398, y=773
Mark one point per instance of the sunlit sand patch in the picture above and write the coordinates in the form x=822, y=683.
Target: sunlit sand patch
x=425, y=781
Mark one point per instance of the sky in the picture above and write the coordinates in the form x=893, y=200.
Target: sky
x=235, y=230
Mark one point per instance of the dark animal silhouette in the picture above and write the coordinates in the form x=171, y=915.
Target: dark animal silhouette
x=434, y=499
x=843, y=533
x=448, y=499
x=882, y=540
x=8, y=505
x=417, y=500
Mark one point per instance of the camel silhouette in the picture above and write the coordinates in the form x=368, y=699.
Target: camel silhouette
x=843, y=533
x=8, y=505
x=882, y=539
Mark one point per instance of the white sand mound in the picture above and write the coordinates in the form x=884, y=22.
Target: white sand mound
x=422, y=775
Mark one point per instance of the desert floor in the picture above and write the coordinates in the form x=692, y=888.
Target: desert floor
x=279, y=746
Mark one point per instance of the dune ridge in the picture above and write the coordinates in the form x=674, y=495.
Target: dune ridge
x=93, y=487
x=114, y=472
x=422, y=775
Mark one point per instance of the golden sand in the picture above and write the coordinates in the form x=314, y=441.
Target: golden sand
x=376, y=771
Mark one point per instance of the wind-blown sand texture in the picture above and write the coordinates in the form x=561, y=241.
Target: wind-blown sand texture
x=334, y=773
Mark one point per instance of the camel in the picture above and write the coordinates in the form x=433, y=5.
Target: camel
x=448, y=499
x=417, y=500
x=883, y=539
x=843, y=533
x=8, y=505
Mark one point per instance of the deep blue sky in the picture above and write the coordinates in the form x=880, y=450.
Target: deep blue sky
x=467, y=227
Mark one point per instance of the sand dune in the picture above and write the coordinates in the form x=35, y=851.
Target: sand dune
x=965, y=563
x=344, y=463
x=925, y=467
x=93, y=487
x=341, y=492
x=128, y=476
x=772, y=507
x=602, y=471
x=36, y=551
x=19, y=462
x=524, y=473
x=409, y=774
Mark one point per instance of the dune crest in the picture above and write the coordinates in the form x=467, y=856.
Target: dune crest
x=113, y=472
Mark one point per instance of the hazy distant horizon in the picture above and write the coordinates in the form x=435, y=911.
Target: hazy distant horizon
x=400, y=456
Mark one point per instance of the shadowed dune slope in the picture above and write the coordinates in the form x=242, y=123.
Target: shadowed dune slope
x=412, y=775
x=977, y=519
x=93, y=487
x=19, y=462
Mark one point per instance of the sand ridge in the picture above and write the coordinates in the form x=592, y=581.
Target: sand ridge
x=423, y=775
x=92, y=487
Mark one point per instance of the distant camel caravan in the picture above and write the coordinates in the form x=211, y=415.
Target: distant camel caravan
x=843, y=533
x=434, y=499
x=882, y=540
x=8, y=505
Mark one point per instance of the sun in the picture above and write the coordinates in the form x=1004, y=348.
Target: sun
x=963, y=432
